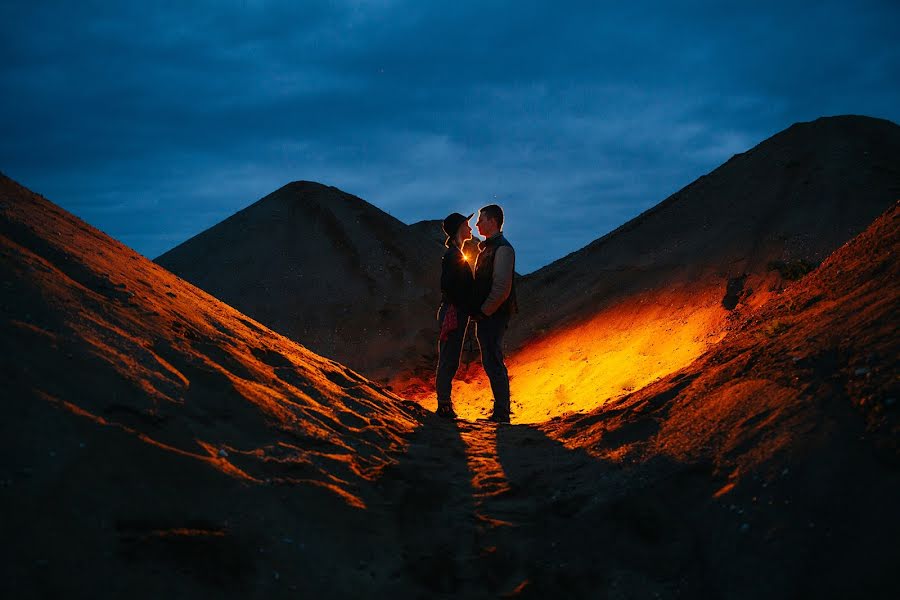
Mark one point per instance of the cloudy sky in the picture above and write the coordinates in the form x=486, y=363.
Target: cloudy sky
x=155, y=120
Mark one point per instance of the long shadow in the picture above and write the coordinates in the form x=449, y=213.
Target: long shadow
x=487, y=511
x=430, y=497
x=584, y=527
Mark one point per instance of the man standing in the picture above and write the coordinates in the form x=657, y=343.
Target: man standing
x=495, y=301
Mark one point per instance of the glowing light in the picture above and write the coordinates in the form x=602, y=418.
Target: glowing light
x=620, y=350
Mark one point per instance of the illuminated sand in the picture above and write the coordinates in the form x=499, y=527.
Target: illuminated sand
x=647, y=299
x=827, y=346
x=794, y=415
x=172, y=349
x=579, y=368
x=147, y=424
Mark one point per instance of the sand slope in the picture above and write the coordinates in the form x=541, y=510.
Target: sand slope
x=791, y=425
x=148, y=426
x=796, y=196
x=158, y=443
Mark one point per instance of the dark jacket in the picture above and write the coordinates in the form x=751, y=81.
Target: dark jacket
x=484, y=276
x=457, y=281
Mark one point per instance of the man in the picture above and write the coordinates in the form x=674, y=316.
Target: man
x=495, y=302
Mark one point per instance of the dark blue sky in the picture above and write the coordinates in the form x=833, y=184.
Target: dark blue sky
x=154, y=121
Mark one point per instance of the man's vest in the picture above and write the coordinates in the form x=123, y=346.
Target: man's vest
x=484, y=275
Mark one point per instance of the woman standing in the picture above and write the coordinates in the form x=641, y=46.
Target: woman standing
x=457, y=289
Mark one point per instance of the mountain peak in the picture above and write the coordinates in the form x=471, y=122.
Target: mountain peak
x=306, y=257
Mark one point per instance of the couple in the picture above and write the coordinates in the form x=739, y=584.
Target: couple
x=486, y=296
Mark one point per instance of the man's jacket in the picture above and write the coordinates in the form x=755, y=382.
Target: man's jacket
x=495, y=287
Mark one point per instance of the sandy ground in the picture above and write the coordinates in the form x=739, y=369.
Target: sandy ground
x=157, y=442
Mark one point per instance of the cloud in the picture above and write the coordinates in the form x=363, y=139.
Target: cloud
x=156, y=121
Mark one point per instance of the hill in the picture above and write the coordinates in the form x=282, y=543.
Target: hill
x=791, y=423
x=327, y=269
x=147, y=426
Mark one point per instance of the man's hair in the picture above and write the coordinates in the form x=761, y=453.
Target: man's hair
x=493, y=211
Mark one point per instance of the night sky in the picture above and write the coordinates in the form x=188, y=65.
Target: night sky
x=153, y=121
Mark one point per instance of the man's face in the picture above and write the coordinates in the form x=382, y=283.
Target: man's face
x=487, y=226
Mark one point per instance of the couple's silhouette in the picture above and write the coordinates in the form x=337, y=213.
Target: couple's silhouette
x=484, y=293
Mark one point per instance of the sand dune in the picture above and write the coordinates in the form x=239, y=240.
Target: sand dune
x=790, y=424
x=147, y=425
x=793, y=198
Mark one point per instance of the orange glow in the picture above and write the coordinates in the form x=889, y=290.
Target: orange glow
x=725, y=489
x=621, y=349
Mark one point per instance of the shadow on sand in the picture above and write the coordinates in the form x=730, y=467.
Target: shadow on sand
x=430, y=497
x=583, y=527
x=487, y=511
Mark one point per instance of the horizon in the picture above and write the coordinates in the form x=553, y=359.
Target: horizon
x=155, y=124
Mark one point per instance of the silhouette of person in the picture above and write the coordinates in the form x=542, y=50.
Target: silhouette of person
x=494, y=303
x=457, y=287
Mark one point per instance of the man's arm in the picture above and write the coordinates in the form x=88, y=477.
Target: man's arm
x=504, y=266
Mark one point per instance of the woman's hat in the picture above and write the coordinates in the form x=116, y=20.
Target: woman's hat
x=451, y=225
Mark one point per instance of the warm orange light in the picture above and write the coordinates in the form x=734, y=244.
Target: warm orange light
x=621, y=349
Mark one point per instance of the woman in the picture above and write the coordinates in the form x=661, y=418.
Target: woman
x=457, y=288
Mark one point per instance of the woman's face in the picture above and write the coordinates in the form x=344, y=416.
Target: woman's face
x=464, y=233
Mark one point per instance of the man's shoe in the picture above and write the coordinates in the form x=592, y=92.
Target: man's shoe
x=498, y=418
x=445, y=411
